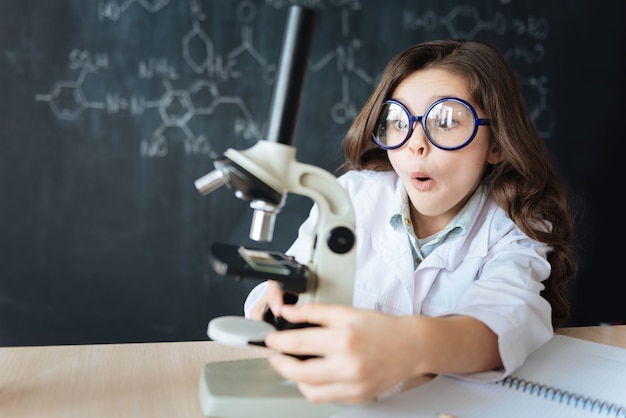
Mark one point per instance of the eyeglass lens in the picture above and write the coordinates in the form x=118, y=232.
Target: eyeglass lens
x=448, y=124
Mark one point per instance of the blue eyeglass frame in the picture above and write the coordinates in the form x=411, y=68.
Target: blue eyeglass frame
x=412, y=119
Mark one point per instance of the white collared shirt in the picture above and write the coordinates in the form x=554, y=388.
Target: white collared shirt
x=424, y=246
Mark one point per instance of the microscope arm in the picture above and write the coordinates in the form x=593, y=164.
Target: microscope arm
x=332, y=260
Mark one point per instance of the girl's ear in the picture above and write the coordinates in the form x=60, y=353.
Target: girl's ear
x=495, y=155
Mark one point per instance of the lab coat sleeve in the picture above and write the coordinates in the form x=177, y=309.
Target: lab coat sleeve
x=507, y=299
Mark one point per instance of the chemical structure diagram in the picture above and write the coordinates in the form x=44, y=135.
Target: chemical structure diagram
x=176, y=107
x=202, y=97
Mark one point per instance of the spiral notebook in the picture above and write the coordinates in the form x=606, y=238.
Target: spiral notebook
x=566, y=377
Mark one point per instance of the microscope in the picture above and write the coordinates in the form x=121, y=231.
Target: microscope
x=263, y=175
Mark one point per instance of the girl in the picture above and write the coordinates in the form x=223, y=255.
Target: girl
x=463, y=235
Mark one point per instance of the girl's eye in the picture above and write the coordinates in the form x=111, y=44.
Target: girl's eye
x=443, y=123
x=399, y=124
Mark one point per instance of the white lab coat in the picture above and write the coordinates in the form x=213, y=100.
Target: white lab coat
x=493, y=272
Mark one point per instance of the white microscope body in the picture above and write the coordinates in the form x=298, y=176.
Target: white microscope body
x=235, y=388
x=264, y=174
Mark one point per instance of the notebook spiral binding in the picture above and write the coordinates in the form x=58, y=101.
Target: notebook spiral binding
x=607, y=409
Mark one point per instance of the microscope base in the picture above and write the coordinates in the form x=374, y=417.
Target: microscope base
x=244, y=388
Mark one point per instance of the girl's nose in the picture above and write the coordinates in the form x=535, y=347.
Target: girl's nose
x=418, y=142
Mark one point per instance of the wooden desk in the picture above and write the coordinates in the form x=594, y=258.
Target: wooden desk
x=136, y=380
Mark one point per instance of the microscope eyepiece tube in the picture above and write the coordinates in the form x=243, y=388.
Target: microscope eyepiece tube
x=291, y=73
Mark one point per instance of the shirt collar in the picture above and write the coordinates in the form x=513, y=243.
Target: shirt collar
x=401, y=218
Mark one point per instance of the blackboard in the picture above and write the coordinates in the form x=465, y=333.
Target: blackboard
x=110, y=109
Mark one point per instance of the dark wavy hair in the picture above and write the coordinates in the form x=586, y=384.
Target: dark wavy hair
x=525, y=184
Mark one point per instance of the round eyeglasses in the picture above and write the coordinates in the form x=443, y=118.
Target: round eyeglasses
x=449, y=124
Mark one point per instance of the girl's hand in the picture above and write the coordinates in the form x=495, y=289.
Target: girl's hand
x=363, y=353
x=273, y=297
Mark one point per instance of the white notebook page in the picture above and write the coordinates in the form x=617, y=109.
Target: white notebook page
x=574, y=365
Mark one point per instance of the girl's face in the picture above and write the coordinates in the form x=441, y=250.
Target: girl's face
x=438, y=182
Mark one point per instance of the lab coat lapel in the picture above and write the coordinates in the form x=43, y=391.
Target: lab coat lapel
x=394, y=249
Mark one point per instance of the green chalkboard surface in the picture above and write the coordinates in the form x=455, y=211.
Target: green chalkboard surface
x=111, y=109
